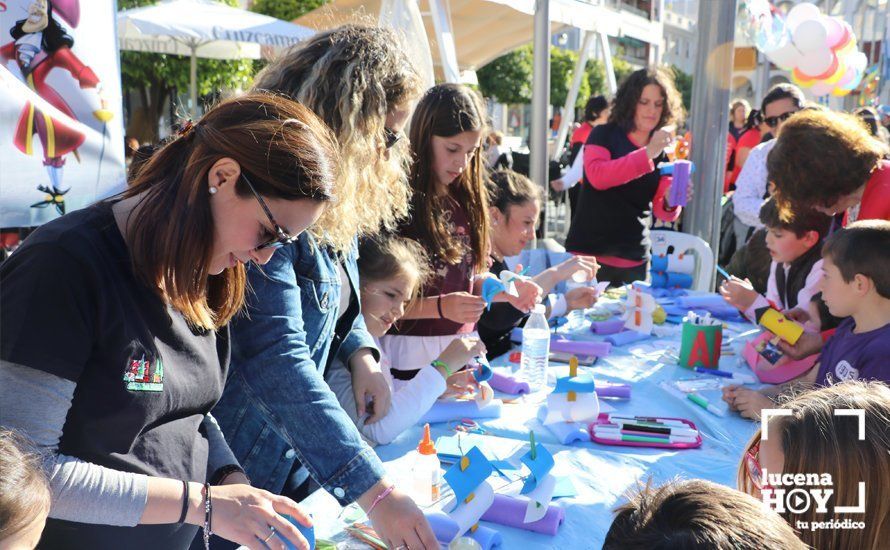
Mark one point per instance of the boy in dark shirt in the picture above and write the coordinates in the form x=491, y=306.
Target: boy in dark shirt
x=855, y=284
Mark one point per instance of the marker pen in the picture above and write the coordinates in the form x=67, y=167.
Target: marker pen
x=666, y=430
x=741, y=378
x=647, y=419
x=614, y=436
x=600, y=430
x=703, y=403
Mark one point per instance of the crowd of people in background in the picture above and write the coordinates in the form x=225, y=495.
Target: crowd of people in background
x=175, y=408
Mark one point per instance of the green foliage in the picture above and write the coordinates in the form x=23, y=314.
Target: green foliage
x=684, y=85
x=157, y=76
x=508, y=79
x=562, y=67
x=288, y=10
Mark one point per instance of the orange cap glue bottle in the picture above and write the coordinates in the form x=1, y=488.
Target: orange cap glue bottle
x=426, y=471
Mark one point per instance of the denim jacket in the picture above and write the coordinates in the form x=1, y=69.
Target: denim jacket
x=276, y=407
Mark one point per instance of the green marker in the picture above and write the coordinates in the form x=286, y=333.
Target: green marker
x=703, y=403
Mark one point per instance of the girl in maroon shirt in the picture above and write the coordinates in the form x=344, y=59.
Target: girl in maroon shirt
x=449, y=218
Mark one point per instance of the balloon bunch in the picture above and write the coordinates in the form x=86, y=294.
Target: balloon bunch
x=820, y=51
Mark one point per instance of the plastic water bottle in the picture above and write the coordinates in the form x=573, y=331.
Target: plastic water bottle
x=535, y=349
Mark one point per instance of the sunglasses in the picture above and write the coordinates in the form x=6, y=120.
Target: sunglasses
x=773, y=121
x=281, y=238
x=391, y=137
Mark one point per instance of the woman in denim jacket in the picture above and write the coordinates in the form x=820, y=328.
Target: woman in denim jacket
x=280, y=418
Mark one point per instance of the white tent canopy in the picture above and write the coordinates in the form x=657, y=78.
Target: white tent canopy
x=482, y=30
x=203, y=28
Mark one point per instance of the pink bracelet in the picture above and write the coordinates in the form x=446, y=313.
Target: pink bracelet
x=380, y=497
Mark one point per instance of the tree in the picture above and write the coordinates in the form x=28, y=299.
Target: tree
x=562, y=68
x=684, y=85
x=596, y=74
x=508, y=79
x=287, y=10
x=156, y=78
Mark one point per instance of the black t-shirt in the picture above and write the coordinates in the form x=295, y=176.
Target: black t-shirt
x=614, y=221
x=72, y=307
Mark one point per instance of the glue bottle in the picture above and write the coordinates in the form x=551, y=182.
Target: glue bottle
x=425, y=473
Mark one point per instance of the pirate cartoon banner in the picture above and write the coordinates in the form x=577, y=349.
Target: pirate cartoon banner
x=61, y=125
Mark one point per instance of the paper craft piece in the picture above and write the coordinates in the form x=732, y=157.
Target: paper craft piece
x=601, y=287
x=491, y=288
x=446, y=411
x=482, y=372
x=448, y=447
x=560, y=409
x=539, y=466
x=468, y=473
x=611, y=326
x=700, y=345
x=446, y=530
x=510, y=511
x=539, y=499
x=578, y=384
x=778, y=324
x=565, y=433
x=626, y=337
x=564, y=488
x=468, y=514
x=639, y=307
x=307, y=532
x=484, y=395
x=579, y=347
x=508, y=384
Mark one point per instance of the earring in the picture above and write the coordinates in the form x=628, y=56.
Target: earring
x=213, y=190
x=494, y=222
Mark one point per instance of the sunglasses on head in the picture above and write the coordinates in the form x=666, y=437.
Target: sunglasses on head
x=281, y=237
x=773, y=121
x=391, y=137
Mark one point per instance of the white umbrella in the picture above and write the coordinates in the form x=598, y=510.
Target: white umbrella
x=203, y=28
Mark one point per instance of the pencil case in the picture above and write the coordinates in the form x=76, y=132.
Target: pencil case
x=603, y=420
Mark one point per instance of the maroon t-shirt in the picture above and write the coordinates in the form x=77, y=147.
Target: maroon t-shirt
x=446, y=278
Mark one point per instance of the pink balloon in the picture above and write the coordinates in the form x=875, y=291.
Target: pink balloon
x=815, y=63
x=835, y=31
x=848, y=76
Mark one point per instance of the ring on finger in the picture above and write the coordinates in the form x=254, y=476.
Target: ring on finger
x=271, y=534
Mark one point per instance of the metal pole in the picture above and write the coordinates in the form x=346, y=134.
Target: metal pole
x=540, y=100
x=568, y=111
x=193, y=82
x=606, y=52
x=710, y=105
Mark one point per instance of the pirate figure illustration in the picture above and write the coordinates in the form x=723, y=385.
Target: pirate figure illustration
x=40, y=44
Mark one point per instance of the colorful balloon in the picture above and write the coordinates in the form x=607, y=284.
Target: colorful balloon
x=800, y=13
x=838, y=74
x=821, y=88
x=839, y=92
x=811, y=35
x=836, y=32
x=816, y=62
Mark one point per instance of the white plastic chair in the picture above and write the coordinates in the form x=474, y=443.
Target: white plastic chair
x=674, y=242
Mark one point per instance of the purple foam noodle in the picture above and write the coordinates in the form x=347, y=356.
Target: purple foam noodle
x=626, y=337
x=680, y=182
x=446, y=530
x=619, y=391
x=510, y=511
x=612, y=326
x=508, y=384
x=581, y=347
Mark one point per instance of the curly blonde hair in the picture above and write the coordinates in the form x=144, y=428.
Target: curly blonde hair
x=352, y=77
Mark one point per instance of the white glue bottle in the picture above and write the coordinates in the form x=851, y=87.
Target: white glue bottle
x=425, y=473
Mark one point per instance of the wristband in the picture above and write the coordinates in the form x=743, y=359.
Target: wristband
x=439, y=306
x=208, y=512
x=380, y=497
x=444, y=365
x=185, y=502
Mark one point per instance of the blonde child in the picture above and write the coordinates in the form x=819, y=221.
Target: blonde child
x=24, y=493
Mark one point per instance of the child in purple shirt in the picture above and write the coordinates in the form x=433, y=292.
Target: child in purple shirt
x=856, y=285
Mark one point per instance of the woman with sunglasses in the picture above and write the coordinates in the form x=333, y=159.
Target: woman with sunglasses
x=817, y=438
x=282, y=421
x=115, y=340
x=782, y=101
